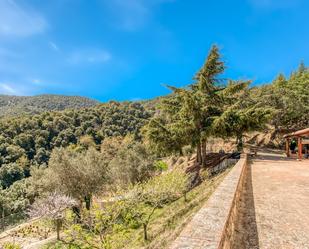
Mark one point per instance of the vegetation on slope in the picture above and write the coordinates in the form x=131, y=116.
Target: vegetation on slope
x=21, y=105
x=289, y=97
x=165, y=224
x=96, y=151
x=208, y=107
x=27, y=142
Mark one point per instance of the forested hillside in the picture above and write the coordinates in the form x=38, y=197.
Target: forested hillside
x=83, y=152
x=16, y=105
x=289, y=97
x=27, y=142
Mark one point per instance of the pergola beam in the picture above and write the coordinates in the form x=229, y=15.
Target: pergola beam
x=304, y=132
x=299, y=135
x=300, y=148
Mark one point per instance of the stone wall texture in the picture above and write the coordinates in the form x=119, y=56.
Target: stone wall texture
x=212, y=227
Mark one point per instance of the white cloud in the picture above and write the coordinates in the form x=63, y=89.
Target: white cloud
x=19, y=21
x=131, y=15
x=36, y=82
x=89, y=56
x=31, y=86
x=6, y=88
x=40, y=83
x=53, y=46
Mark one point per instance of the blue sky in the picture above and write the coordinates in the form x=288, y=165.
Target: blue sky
x=126, y=49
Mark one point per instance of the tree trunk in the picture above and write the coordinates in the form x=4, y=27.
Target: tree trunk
x=198, y=153
x=239, y=143
x=180, y=152
x=185, y=196
x=204, y=153
x=77, y=210
x=2, y=218
x=145, y=231
x=58, y=227
x=88, y=202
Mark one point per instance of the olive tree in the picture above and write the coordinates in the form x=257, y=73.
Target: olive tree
x=78, y=174
x=132, y=164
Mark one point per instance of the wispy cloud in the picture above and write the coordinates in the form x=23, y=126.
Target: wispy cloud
x=90, y=56
x=131, y=15
x=19, y=21
x=6, y=88
x=32, y=86
x=36, y=82
x=53, y=46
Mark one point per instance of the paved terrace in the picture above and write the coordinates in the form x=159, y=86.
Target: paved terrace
x=269, y=210
x=274, y=212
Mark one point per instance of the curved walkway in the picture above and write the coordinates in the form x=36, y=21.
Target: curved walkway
x=275, y=207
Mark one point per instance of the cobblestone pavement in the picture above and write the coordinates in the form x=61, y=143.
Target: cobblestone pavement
x=275, y=207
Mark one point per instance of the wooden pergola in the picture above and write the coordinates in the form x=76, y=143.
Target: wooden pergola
x=299, y=135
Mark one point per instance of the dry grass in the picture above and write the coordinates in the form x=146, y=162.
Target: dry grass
x=168, y=222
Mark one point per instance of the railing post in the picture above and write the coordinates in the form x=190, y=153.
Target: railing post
x=300, y=149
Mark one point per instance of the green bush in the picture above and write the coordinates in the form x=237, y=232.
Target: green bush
x=187, y=150
x=10, y=245
x=205, y=174
x=60, y=245
x=161, y=165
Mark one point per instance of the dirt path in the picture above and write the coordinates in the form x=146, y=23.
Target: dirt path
x=274, y=210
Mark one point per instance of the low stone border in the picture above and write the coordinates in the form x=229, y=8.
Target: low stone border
x=223, y=165
x=212, y=227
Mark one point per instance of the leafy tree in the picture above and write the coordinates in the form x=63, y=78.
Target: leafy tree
x=110, y=147
x=289, y=98
x=19, y=105
x=52, y=207
x=145, y=198
x=9, y=245
x=97, y=227
x=87, y=141
x=132, y=164
x=191, y=111
x=235, y=122
x=280, y=81
x=16, y=198
x=34, y=137
x=241, y=114
x=10, y=173
x=163, y=137
x=78, y=174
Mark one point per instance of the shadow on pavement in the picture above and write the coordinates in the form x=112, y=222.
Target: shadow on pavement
x=246, y=227
x=252, y=231
x=269, y=157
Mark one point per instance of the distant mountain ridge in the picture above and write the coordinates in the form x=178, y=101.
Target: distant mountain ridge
x=19, y=105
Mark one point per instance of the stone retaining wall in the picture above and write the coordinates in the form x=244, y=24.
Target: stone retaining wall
x=212, y=227
x=223, y=165
x=229, y=229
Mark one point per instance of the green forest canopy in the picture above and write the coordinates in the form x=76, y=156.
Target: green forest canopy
x=21, y=105
x=28, y=140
